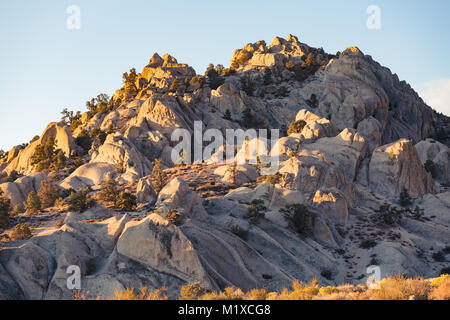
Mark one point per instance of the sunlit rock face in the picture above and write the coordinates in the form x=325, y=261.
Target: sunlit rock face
x=365, y=136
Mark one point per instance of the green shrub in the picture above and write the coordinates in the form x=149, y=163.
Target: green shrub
x=5, y=207
x=33, y=203
x=125, y=201
x=84, y=141
x=296, y=127
x=47, y=158
x=388, y=215
x=270, y=179
x=256, y=211
x=21, y=232
x=174, y=217
x=48, y=193
x=109, y=190
x=80, y=200
x=300, y=218
x=158, y=176
x=405, y=199
x=227, y=115
x=129, y=81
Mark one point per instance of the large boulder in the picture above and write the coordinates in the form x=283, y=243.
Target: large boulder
x=161, y=246
x=237, y=175
x=439, y=154
x=144, y=191
x=333, y=204
x=89, y=174
x=122, y=153
x=177, y=195
x=63, y=140
x=18, y=190
x=316, y=127
x=396, y=166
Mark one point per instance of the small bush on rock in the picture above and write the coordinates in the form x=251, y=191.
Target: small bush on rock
x=300, y=218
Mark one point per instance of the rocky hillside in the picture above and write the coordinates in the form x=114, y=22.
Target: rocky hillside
x=363, y=180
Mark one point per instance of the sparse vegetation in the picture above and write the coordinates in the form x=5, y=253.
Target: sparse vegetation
x=174, y=217
x=300, y=218
x=213, y=76
x=32, y=204
x=109, y=190
x=270, y=179
x=21, y=232
x=192, y=291
x=158, y=177
x=256, y=211
x=47, y=158
x=5, y=207
x=84, y=141
x=129, y=81
x=125, y=201
x=296, y=127
x=405, y=199
x=80, y=200
x=392, y=288
x=388, y=214
x=48, y=193
x=227, y=115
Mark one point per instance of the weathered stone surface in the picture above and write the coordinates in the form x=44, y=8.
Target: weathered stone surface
x=161, y=246
x=439, y=154
x=177, y=195
x=397, y=166
x=89, y=174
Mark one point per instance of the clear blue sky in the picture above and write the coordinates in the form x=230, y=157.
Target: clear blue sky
x=46, y=67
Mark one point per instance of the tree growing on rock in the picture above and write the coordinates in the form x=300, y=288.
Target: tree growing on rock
x=47, y=158
x=21, y=232
x=80, y=200
x=227, y=115
x=158, y=176
x=300, y=218
x=109, y=190
x=48, y=193
x=296, y=127
x=405, y=199
x=129, y=82
x=32, y=204
x=5, y=207
x=125, y=201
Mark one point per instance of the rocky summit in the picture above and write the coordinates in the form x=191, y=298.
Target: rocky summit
x=363, y=180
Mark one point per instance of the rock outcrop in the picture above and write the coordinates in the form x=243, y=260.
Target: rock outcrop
x=397, y=166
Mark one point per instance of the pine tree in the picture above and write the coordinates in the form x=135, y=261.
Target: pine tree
x=5, y=207
x=33, y=203
x=158, y=177
x=227, y=115
x=405, y=198
x=48, y=193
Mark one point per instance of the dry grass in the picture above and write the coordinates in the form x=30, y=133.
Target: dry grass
x=392, y=288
